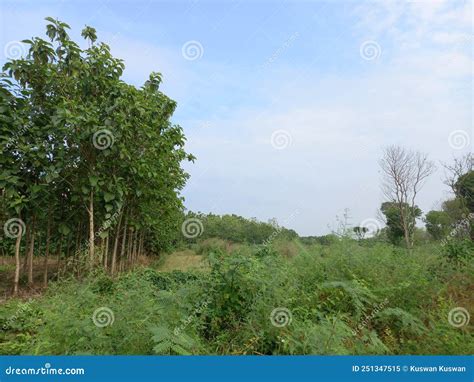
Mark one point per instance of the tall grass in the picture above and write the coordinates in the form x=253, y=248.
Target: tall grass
x=345, y=298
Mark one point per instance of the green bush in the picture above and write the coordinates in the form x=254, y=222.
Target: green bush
x=347, y=298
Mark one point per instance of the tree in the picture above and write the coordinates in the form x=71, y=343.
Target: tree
x=404, y=173
x=454, y=171
x=438, y=224
x=360, y=232
x=464, y=187
x=459, y=176
x=395, y=226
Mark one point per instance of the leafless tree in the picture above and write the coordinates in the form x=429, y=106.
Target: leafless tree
x=404, y=174
x=459, y=167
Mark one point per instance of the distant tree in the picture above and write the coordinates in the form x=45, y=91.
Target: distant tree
x=459, y=176
x=239, y=229
x=455, y=170
x=360, y=232
x=438, y=224
x=323, y=240
x=464, y=187
x=396, y=226
x=404, y=173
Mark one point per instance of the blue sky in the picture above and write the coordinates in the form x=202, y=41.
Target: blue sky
x=288, y=104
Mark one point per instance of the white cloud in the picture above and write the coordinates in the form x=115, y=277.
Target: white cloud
x=414, y=96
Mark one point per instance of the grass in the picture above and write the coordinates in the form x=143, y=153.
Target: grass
x=346, y=298
x=182, y=260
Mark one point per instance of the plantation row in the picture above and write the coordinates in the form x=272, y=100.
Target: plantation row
x=89, y=163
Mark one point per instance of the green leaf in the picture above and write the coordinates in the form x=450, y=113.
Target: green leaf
x=93, y=180
x=108, y=197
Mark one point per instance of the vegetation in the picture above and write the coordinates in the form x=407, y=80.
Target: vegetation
x=240, y=230
x=90, y=201
x=88, y=162
x=347, y=298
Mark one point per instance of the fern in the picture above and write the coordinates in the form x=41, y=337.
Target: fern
x=347, y=296
x=168, y=342
x=402, y=322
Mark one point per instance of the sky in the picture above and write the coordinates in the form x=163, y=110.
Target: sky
x=287, y=105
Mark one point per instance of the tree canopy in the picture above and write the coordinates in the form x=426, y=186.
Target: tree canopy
x=81, y=145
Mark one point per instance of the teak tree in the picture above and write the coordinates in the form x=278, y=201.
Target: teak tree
x=83, y=152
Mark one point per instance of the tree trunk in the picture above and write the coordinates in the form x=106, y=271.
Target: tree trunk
x=135, y=246
x=59, y=255
x=101, y=251
x=106, y=254
x=124, y=241
x=31, y=253
x=140, y=244
x=16, y=281
x=114, y=253
x=27, y=247
x=129, y=248
x=91, y=228
x=68, y=254
x=77, y=249
x=46, y=254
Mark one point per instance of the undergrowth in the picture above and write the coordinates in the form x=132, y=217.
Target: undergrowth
x=341, y=299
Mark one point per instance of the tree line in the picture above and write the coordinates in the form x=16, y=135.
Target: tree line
x=91, y=166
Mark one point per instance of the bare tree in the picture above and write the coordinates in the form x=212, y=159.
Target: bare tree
x=404, y=173
x=460, y=166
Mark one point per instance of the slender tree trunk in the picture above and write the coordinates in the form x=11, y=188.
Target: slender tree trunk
x=16, y=281
x=124, y=241
x=101, y=251
x=46, y=254
x=135, y=246
x=129, y=247
x=77, y=246
x=68, y=254
x=91, y=228
x=106, y=254
x=27, y=248
x=59, y=255
x=116, y=240
x=140, y=244
x=407, y=235
x=31, y=253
